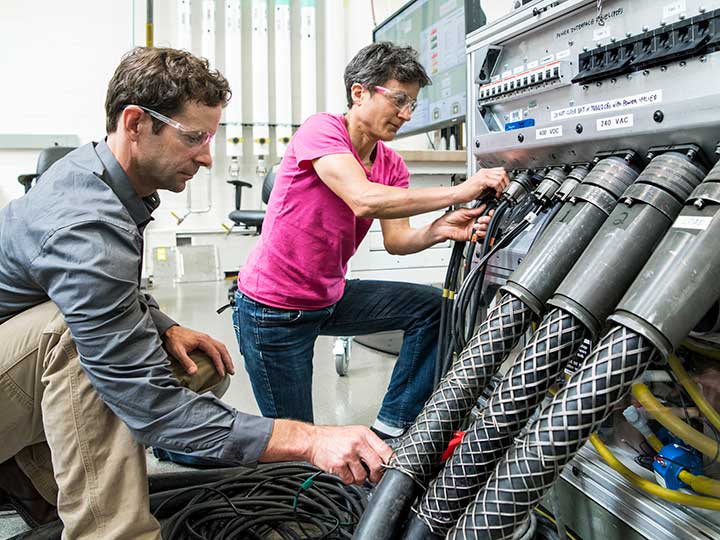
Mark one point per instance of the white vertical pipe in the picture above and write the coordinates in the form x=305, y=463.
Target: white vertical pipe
x=233, y=73
x=260, y=99
x=207, y=44
x=184, y=34
x=308, y=63
x=335, y=55
x=283, y=96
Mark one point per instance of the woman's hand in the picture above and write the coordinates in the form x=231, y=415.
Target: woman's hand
x=460, y=225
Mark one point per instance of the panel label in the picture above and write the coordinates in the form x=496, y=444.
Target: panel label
x=615, y=122
x=533, y=64
x=548, y=132
x=563, y=54
x=601, y=33
x=674, y=10
x=697, y=223
x=547, y=59
x=611, y=105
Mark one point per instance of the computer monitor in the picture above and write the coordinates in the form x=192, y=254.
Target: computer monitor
x=436, y=29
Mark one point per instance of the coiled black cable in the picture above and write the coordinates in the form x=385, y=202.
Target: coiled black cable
x=291, y=501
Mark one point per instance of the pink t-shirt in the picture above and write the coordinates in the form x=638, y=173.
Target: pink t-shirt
x=309, y=233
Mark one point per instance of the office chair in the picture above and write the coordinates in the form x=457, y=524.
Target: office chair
x=251, y=218
x=47, y=157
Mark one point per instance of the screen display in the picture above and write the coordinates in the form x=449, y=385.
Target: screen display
x=436, y=30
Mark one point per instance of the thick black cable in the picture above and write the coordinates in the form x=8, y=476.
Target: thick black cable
x=462, y=299
x=447, y=362
x=490, y=237
x=291, y=501
x=459, y=339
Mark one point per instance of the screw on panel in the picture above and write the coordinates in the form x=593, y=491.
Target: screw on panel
x=628, y=34
x=645, y=28
x=663, y=68
x=521, y=137
x=691, y=154
x=613, y=80
x=699, y=204
x=585, y=87
x=683, y=63
x=646, y=72
x=658, y=116
x=579, y=128
x=703, y=59
x=628, y=201
x=701, y=9
x=477, y=143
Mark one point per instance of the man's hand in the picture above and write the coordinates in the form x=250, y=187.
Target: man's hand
x=460, y=225
x=354, y=453
x=179, y=341
x=485, y=179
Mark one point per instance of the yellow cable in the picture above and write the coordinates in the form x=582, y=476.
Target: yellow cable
x=675, y=425
x=553, y=521
x=705, y=351
x=654, y=442
x=651, y=487
x=689, y=385
x=701, y=484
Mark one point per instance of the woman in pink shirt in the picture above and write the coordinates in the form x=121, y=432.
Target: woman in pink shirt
x=336, y=177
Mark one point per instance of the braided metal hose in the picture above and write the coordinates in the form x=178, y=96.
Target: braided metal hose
x=534, y=462
x=556, y=341
x=421, y=448
x=418, y=456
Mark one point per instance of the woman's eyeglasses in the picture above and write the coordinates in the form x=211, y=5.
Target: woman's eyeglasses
x=402, y=102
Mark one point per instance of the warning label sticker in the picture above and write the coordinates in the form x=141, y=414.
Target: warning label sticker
x=548, y=132
x=615, y=122
x=611, y=105
x=699, y=223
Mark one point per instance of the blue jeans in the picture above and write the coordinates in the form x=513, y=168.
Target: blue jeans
x=277, y=345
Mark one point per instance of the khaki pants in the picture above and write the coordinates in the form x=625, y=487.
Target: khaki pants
x=76, y=452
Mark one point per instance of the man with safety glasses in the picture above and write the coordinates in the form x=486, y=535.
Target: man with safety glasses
x=336, y=177
x=90, y=369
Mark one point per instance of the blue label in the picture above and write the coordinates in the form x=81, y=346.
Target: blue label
x=530, y=122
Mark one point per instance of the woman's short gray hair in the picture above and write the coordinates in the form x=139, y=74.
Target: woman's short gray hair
x=379, y=62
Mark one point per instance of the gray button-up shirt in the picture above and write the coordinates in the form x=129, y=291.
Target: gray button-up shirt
x=76, y=238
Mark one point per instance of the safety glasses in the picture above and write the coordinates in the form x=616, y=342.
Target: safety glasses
x=402, y=102
x=191, y=137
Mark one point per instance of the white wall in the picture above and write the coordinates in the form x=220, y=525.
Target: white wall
x=57, y=58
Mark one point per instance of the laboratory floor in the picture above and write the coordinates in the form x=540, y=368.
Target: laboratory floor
x=354, y=399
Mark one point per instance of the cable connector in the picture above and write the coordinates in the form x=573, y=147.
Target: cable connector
x=637, y=419
x=530, y=217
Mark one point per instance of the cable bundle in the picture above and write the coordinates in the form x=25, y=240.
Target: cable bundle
x=290, y=501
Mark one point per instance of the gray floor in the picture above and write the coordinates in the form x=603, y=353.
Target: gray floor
x=354, y=399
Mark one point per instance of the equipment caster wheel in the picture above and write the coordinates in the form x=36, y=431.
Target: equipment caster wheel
x=341, y=352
